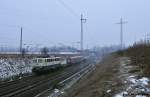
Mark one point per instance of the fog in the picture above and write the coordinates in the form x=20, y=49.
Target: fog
x=53, y=22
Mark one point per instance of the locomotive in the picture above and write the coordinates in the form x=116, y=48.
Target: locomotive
x=44, y=65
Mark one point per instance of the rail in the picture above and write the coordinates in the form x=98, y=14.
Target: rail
x=74, y=78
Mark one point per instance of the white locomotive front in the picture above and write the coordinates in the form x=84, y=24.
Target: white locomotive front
x=44, y=65
x=41, y=65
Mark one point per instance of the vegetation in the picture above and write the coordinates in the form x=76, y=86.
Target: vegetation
x=23, y=52
x=139, y=54
x=44, y=51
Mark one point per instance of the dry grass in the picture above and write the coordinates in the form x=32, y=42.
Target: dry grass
x=104, y=78
x=139, y=54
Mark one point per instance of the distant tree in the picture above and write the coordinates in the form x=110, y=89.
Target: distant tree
x=44, y=51
x=23, y=52
x=53, y=49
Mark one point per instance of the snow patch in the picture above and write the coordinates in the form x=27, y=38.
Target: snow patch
x=14, y=67
x=142, y=81
x=137, y=86
x=108, y=91
x=56, y=90
x=122, y=94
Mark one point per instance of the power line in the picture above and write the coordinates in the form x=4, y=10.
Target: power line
x=71, y=10
x=83, y=20
x=121, y=23
x=21, y=30
x=10, y=26
x=21, y=40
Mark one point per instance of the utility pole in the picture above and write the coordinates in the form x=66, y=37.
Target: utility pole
x=83, y=20
x=121, y=32
x=21, y=40
x=147, y=38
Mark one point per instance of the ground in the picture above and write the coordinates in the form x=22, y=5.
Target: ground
x=113, y=77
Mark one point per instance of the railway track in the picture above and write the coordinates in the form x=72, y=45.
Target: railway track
x=32, y=86
x=67, y=83
x=5, y=88
x=22, y=90
x=7, y=83
x=27, y=84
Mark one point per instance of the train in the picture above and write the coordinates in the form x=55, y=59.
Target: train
x=44, y=65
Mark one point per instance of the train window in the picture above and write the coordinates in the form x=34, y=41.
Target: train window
x=34, y=61
x=55, y=59
x=45, y=60
x=40, y=60
x=51, y=60
x=58, y=59
x=48, y=60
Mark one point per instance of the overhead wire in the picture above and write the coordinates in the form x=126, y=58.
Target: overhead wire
x=63, y=3
x=70, y=9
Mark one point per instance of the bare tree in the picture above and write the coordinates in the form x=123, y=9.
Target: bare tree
x=23, y=52
x=45, y=51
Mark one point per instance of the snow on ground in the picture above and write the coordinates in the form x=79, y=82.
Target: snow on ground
x=14, y=67
x=136, y=87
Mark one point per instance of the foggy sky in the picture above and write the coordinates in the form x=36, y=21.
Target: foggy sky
x=49, y=22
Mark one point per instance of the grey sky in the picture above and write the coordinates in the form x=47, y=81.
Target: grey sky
x=48, y=22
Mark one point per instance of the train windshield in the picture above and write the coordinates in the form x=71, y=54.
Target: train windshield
x=35, y=61
x=39, y=60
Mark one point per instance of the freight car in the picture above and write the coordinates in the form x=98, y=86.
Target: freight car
x=75, y=59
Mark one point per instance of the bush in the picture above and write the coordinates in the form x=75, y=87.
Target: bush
x=44, y=51
x=139, y=54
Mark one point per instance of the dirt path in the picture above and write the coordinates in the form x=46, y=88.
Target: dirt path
x=113, y=77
